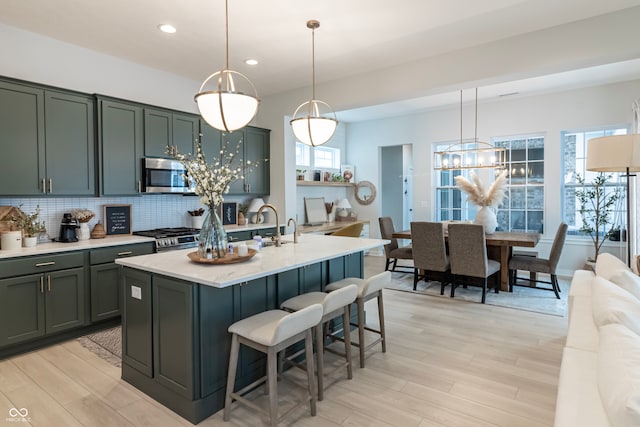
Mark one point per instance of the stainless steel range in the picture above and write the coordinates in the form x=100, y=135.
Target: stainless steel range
x=172, y=238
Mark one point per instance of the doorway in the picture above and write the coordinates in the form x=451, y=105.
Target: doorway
x=396, y=198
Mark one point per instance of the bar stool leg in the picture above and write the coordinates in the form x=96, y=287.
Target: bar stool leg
x=320, y=355
x=272, y=379
x=231, y=377
x=346, y=322
x=308, y=344
x=361, y=343
x=383, y=336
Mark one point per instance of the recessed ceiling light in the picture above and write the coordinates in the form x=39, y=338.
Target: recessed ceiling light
x=167, y=28
x=251, y=61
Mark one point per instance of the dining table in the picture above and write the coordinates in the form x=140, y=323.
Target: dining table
x=500, y=246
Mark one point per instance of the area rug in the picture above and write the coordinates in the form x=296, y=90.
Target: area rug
x=522, y=297
x=107, y=344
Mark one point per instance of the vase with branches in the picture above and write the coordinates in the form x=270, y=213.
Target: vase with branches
x=487, y=198
x=597, y=202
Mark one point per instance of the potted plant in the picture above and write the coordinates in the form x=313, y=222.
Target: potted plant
x=597, y=202
x=30, y=225
x=300, y=174
x=242, y=213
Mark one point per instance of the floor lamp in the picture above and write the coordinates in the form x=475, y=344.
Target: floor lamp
x=616, y=153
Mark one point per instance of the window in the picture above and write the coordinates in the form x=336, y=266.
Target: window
x=575, y=162
x=317, y=157
x=522, y=209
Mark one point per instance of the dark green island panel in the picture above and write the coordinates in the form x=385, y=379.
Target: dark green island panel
x=175, y=339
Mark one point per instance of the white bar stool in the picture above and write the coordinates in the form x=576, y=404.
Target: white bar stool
x=270, y=332
x=334, y=304
x=367, y=289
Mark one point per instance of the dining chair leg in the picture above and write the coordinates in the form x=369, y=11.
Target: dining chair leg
x=453, y=287
x=383, y=335
x=415, y=278
x=554, y=284
x=386, y=265
x=484, y=290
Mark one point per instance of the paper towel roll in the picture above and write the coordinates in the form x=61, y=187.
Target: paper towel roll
x=11, y=240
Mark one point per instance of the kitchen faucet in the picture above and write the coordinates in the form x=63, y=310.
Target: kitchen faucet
x=295, y=229
x=273, y=208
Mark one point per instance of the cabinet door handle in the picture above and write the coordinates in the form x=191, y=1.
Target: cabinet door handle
x=42, y=284
x=139, y=187
x=48, y=282
x=124, y=253
x=44, y=186
x=44, y=264
x=50, y=185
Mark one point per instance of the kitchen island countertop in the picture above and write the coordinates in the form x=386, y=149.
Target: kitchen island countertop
x=269, y=261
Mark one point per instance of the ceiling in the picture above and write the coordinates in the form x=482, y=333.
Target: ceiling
x=355, y=36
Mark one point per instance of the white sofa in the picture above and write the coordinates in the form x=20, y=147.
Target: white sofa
x=599, y=382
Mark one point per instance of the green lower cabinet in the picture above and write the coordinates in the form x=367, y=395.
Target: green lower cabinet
x=239, y=236
x=21, y=309
x=64, y=300
x=174, y=320
x=137, y=326
x=351, y=265
x=105, y=292
x=40, y=304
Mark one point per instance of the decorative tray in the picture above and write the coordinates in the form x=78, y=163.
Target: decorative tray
x=228, y=259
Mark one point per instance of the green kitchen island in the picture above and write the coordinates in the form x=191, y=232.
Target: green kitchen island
x=175, y=344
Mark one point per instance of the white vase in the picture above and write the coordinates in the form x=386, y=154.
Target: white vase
x=487, y=217
x=83, y=232
x=29, y=242
x=196, y=221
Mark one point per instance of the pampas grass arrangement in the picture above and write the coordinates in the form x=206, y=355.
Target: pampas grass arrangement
x=477, y=193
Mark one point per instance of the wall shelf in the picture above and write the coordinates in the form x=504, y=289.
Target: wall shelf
x=323, y=184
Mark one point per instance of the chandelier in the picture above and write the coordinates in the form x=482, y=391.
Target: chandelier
x=471, y=154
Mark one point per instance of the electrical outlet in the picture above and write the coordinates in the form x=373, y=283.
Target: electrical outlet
x=136, y=292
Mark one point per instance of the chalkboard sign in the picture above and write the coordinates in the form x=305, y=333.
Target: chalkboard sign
x=117, y=219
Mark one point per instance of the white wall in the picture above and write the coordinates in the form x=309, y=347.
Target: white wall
x=549, y=114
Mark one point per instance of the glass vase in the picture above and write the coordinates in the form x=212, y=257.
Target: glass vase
x=212, y=242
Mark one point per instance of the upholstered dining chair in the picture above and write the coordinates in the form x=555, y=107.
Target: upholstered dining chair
x=391, y=250
x=539, y=265
x=353, y=230
x=430, y=259
x=468, y=257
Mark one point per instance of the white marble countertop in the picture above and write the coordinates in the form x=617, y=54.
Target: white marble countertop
x=271, y=260
x=56, y=247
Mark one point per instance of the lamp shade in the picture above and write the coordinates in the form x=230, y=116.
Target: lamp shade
x=343, y=204
x=228, y=106
x=255, y=205
x=614, y=153
x=313, y=128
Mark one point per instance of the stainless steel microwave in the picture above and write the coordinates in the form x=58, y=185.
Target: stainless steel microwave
x=164, y=176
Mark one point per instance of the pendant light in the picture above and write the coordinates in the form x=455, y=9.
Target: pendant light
x=233, y=101
x=470, y=155
x=310, y=123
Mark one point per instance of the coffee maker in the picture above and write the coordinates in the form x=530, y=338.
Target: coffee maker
x=68, y=228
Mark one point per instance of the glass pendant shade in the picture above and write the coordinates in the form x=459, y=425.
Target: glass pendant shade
x=313, y=128
x=230, y=105
x=313, y=122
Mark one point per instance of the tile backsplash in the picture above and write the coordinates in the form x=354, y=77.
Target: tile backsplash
x=147, y=212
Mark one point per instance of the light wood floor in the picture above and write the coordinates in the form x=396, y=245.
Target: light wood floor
x=448, y=363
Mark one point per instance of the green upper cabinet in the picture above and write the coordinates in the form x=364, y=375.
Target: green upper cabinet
x=49, y=142
x=22, y=138
x=121, y=146
x=70, y=144
x=231, y=143
x=166, y=132
x=257, y=179
x=210, y=139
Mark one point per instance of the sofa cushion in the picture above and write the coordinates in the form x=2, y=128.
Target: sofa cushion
x=582, y=333
x=608, y=265
x=580, y=286
x=579, y=402
x=627, y=281
x=619, y=374
x=612, y=304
